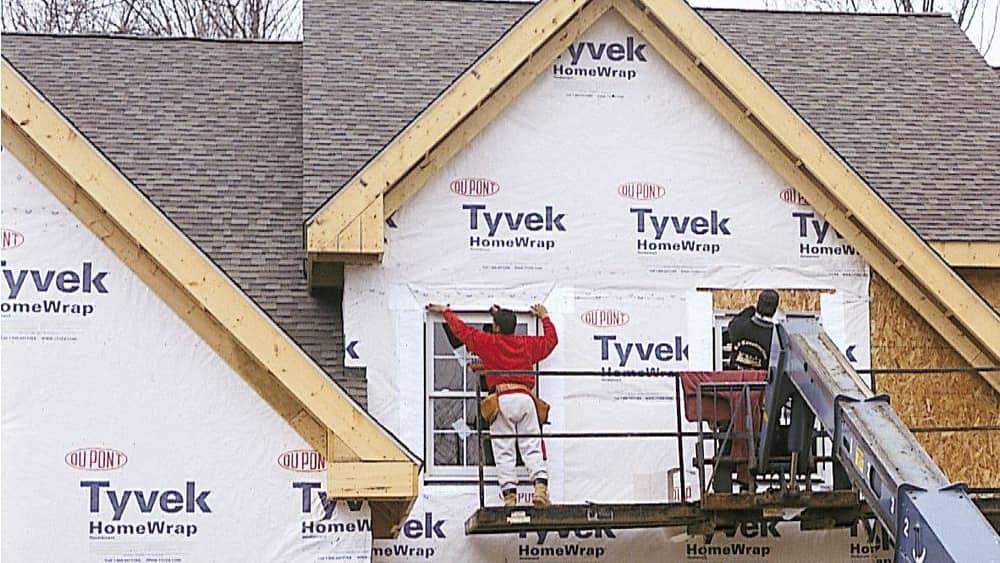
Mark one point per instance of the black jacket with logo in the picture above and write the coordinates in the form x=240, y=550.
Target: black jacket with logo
x=750, y=336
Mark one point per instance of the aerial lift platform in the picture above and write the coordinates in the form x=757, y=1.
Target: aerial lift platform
x=873, y=453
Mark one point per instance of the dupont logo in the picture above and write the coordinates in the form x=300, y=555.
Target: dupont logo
x=12, y=239
x=641, y=190
x=474, y=187
x=604, y=318
x=789, y=195
x=96, y=459
x=303, y=461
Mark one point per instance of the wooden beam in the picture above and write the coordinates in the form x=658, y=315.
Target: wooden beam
x=832, y=210
x=373, y=227
x=326, y=274
x=491, y=107
x=207, y=286
x=743, y=84
x=962, y=254
x=388, y=517
x=165, y=287
x=448, y=111
x=372, y=480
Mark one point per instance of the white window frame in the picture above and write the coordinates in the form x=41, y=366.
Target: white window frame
x=456, y=473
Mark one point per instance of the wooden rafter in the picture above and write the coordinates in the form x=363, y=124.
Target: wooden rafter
x=745, y=99
x=203, y=297
x=851, y=206
x=341, y=226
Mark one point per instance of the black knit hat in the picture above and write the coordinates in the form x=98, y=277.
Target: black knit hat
x=767, y=302
x=505, y=319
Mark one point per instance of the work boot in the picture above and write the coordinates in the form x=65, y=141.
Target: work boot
x=510, y=498
x=541, y=499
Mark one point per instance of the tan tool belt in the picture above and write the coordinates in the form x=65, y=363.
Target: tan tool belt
x=490, y=406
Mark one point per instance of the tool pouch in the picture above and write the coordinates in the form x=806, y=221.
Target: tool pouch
x=542, y=408
x=490, y=407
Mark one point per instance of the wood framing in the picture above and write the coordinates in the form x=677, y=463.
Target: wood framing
x=961, y=254
x=209, y=302
x=340, y=226
x=734, y=89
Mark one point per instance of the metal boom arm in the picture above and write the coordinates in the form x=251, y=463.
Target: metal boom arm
x=929, y=518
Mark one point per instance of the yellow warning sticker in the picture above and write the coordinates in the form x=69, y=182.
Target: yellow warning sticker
x=859, y=460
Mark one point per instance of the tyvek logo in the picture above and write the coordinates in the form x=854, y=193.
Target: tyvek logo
x=474, y=187
x=302, y=461
x=629, y=50
x=317, y=528
x=605, y=318
x=417, y=539
x=675, y=351
x=790, y=195
x=522, y=225
x=64, y=281
x=876, y=541
x=641, y=190
x=96, y=459
x=191, y=500
x=741, y=550
x=601, y=55
x=591, y=548
x=693, y=229
x=817, y=238
x=12, y=239
x=20, y=282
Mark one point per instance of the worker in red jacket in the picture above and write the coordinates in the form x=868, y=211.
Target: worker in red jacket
x=501, y=349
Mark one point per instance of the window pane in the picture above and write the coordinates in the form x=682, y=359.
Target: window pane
x=448, y=375
x=446, y=413
x=441, y=345
x=447, y=449
x=471, y=410
x=470, y=382
x=472, y=452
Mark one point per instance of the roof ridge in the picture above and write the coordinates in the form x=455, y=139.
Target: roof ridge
x=129, y=36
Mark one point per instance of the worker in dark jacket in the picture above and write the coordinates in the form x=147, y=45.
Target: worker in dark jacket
x=501, y=349
x=750, y=333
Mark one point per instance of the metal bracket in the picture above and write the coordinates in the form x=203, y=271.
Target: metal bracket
x=596, y=513
x=518, y=517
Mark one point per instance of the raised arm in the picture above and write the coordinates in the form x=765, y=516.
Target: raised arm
x=543, y=345
x=472, y=338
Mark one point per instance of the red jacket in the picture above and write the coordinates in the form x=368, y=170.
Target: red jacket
x=506, y=351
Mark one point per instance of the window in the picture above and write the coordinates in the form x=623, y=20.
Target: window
x=451, y=408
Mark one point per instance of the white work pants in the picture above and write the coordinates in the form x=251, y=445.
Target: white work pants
x=517, y=416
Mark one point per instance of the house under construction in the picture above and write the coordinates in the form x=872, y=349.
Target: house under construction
x=216, y=257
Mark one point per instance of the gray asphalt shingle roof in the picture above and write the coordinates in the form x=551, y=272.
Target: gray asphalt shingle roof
x=211, y=131
x=905, y=99
x=239, y=141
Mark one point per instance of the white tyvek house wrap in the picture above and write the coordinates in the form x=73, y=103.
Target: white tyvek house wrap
x=609, y=184
x=112, y=399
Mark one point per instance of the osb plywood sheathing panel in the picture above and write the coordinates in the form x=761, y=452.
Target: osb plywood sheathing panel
x=970, y=457
x=790, y=299
x=901, y=339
